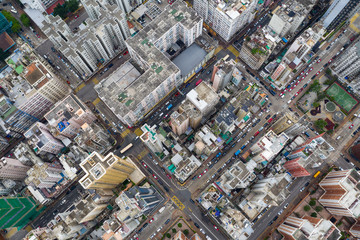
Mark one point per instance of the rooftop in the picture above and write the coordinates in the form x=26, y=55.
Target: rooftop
x=189, y=59
x=158, y=66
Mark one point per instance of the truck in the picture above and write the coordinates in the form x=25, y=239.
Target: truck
x=218, y=155
x=237, y=152
x=169, y=107
x=244, y=146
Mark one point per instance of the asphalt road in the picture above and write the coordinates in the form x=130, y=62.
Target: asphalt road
x=61, y=204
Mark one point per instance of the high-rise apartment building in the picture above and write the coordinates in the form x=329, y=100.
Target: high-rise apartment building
x=255, y=51
x=67, y=117
x=284, y=123
x=346, y=66
x=222, y=74
x=44, y=175
x=341, y=191
x=179, y=122
x=268, y=147
x=101, y=40
x=308, y=228
x=16, y=211
x=270, y=191
x=226, y=17
x=12, y=169
x=148, y=49
x=150, y=138
x=29, y=100
x=104, y=172
x=41, y=140
x=338, y=12
x=288, y=17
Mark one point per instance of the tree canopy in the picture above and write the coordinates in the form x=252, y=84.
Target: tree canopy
x=63, y=10
x=25, y=20
x=15, y=23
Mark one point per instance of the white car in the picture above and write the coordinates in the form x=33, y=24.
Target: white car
x=202, y=231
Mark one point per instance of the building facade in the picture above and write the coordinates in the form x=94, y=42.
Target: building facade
x=341, y=189
x=104, y=172
x=308, y=228
x=226, y=17
x=12, y=169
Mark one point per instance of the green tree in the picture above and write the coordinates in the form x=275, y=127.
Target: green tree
x=316, y=104
x=179, y=225
x=248, y=38
x=173, y=230
x=312, y=203
x=320, y=124
x=318, y=208
x=328, y=71
x=186, y=232
x=313, y=214
x=25, y=20
x=168, y=235
x=328, y=82
x=315, y=87
x=61, y=10
x=307, y=208
x=73, y=5
x=16, y=25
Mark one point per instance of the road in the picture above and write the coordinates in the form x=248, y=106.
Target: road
x=61, y=204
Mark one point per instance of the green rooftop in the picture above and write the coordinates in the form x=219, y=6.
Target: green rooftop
x=159, y=69
x=122, y=96
x=128, y=103
x=19, y=69
x=173, y=11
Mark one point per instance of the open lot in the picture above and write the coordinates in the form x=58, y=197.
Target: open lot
x=341, y=97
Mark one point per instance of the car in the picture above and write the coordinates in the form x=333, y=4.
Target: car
x=126, y=52
x=202, y=231
x=67, y=82
x=205, y=171
x=302, y=78
x=330, y=61
x=144, y=164
x=351, y=126
x=168, y=220
x=151, y=220
x=307, y=73
x=319, y=60
x=305, y=85
x=286, y=205
x=268, y=116
x=200, y=176
x=307, y=184
x=155, y=176
x=55, y=212
x=217, y=229
x=302, y=189
x=280, y=212
x=168, y=176
x=196, y=225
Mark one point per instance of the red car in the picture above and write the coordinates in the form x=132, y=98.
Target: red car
x=151, y=220
x=168, y=176
x=351, y=126
x=330, y=61
x=144, y=164
x=205, y=171
x=319, y=60
x=38, y=35
x=67, y=82
x=155, y=176
x=310, y=69
x=177, y=94
x=126, y=53
x=76, y=16
x=303, y=78
x=217, y=229
x=317, y=73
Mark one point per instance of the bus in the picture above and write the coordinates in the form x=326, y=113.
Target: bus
x=126, y=148
x=226, y=57
x=317, y=174
x=198, y=82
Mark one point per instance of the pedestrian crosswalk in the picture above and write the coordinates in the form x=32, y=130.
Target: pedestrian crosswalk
x=125, y=133
x=178, y=202
x=142, y=154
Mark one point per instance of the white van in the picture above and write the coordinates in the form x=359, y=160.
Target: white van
x=161, y=114
x=338, y=137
